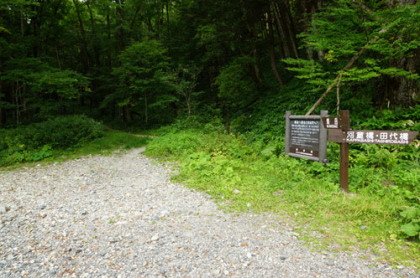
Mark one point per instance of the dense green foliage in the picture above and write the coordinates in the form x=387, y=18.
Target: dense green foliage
x=149, y=62
x=61, y=138
x=37, y=141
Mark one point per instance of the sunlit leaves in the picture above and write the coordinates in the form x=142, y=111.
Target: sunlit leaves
x=342, y=29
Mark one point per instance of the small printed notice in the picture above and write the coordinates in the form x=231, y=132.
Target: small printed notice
x=305, y=137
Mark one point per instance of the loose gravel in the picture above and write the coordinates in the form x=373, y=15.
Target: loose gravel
x=120, y=216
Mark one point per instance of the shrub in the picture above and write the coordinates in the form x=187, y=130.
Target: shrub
x=37, y=141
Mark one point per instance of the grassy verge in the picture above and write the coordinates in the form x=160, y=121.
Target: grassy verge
x=244, y=176
x=110, y=142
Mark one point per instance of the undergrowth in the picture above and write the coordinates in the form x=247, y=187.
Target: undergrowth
x=243, y=174
x=59, y=139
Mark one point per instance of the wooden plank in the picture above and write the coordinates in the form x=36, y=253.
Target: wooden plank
x=296, y=155
x=344, y=152
x=388, y=137
x=303, y=117
x=336, y=135
x=287, y=144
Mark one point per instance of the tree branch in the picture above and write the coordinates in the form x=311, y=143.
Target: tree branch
x=348, y=66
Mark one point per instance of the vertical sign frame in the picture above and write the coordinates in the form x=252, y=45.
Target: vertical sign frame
x=344, y=152
x=306, y=136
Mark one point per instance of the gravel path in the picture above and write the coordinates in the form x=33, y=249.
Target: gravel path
x=120, y=216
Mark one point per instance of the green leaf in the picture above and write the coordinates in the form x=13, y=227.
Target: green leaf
x=410, y=213
x=410, y=229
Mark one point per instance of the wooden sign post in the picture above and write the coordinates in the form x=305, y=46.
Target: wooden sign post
x=344, y=152
x=342, y=134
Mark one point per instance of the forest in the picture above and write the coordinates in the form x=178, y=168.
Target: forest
x=214, y=79
x=151, y=61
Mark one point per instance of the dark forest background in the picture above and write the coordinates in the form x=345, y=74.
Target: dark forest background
x=148, y=62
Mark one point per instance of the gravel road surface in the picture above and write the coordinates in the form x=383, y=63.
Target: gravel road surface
x=120, y=216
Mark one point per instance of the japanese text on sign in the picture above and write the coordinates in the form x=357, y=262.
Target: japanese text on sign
x=305, y=137
x=377, y=137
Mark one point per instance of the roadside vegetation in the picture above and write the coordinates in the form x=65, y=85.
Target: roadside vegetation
x=61, y=138
x=248, y=172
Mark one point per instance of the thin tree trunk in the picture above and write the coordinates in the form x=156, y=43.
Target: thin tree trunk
x=109, y=50
x=57, y=55
x=120, y=29
x=272, y=53
x=133, y=21
x=83, y=41
x=286, y=18
x=22, y=25
x=146, y=115
x=121, y=113
x=280, y=33
x=226, y=112
x=94, y=35
x=189, y=104
x=35, y=29
x=17, y=89
x=167, y=21
x=256, y=66
x=2, y=110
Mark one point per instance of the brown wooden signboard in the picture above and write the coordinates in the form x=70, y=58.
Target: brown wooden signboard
x=344, y=136
x=372, y=136
x=306, y=137
x=387, y=137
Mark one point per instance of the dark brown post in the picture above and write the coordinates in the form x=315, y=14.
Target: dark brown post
x=344, y=152
x=287, y=145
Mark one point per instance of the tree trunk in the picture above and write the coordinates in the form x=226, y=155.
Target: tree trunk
x=57, y=54
x=272, y=53
x=83, y=42
x=226, y=116
x=256, y=67
x=94, y=36
x=121, y=114
x=120, y=27
x=133, y=21
x=146, y=114
x=400, y=91
x=285, y=28
x=167, y=21
x=109, y=50
x=2, y=110
x=35, y=22
x=305, y=10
